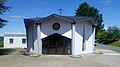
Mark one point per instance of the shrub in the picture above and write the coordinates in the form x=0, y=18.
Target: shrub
x=1, y=41
x=102, y=37
x=111, y=35
x=114, y=33
x=117, y=43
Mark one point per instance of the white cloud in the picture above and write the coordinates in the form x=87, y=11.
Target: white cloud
x=17, y=16
x=106, y=2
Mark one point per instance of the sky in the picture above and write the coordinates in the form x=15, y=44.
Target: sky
x=41, y=8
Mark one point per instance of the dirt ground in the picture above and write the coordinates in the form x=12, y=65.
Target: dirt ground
x=15, y=59
x=91, y=60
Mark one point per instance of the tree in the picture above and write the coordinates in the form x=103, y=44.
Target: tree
x=110, y=35
x=3, y=9
x=1, y=41
x=102, y=37
x=114, y=33
x=89, y=11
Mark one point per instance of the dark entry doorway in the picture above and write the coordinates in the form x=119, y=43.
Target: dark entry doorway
x=56, y=44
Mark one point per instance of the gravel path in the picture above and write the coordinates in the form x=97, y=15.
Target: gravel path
x=90, y=60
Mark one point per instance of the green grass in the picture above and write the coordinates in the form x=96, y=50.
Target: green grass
x=117, y=51
x=117, y=43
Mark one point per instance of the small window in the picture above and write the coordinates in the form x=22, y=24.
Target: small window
x=11, y=41
x=23, y=41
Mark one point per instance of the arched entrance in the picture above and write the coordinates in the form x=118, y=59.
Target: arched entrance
x=56, y=44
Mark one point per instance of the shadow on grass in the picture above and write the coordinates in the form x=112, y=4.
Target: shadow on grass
x=6, y=51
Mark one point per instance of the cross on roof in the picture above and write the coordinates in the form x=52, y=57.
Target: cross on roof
x=60, y=10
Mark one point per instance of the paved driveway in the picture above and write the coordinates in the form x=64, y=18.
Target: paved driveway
x=107, y=50
x=107, y=47
x=88, y=60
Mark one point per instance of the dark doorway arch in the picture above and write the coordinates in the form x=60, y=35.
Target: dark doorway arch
x=56, y=44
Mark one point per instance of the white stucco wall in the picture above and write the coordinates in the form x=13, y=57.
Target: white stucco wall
x=66, y=31
x=46, y=30
x=17, y=42
x=78, y=37
x=89, y=38
x=65, y=28
x=30, y=38
x=33, y=45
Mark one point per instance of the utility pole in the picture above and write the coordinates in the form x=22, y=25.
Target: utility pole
x=60, y=10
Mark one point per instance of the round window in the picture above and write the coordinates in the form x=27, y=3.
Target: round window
x=56, y=26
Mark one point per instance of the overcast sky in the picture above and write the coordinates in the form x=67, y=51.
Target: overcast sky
x=42, y=8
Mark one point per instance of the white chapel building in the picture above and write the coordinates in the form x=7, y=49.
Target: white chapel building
x=56, y=34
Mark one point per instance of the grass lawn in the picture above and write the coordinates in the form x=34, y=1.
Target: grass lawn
x=117, y=51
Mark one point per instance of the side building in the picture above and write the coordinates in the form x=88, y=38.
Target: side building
x=15, y=41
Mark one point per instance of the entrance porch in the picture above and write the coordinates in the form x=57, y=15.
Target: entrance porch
x=56, y=44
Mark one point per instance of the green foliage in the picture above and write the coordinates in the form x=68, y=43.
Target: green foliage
x=117, y=43
x=86, y=10
x=114, y=33
x=3, y=9
x=111, y=35
x=102, y=36
x=1, y=41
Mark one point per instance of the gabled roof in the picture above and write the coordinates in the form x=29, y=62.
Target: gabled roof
x=55, y=16
x=15, y=35
x=71, y=19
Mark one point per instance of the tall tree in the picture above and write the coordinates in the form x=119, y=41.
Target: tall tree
x=3, y=9
x=85, y=9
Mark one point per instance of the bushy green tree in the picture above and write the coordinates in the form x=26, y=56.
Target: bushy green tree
x=85, y=9
x=102, y=36
x=110, y=35
x=114, y=33
x=3, y=9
